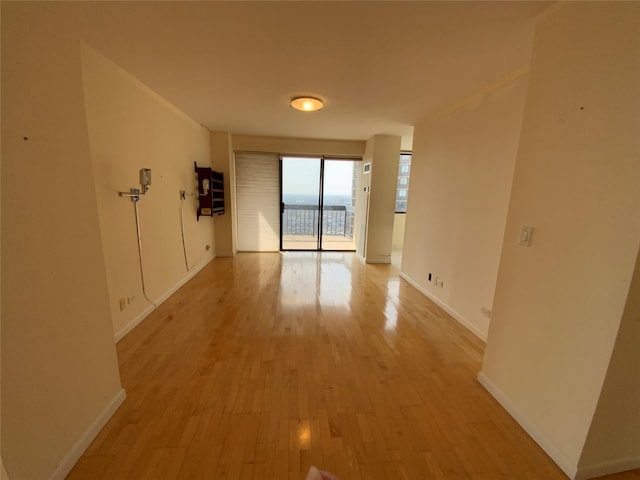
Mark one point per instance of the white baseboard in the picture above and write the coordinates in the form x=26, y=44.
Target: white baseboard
x=608, y=468
x=134, y=323
x=78, y=448
x=568, y=467
x=379, y=259
x=459, y=318
x=190, y=274
x=145, y=313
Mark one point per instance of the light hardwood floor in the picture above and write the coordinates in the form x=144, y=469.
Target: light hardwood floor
x=265, y=364
x=309, y=242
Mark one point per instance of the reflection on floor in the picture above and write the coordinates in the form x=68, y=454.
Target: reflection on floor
x=310, y=242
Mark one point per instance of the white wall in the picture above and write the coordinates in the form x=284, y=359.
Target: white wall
x=399, y=221
x=297, y=146
x=559, y=303
x=461, y=172
x=222, y=160
x=614, y=433
x=59, y=366
x=131, y=127
x=383, y=151
x=363, y=182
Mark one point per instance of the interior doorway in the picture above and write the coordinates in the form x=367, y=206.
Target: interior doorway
x=317, y=203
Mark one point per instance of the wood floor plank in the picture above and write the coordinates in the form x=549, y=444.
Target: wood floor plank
x=265, y=364
x=91, y=466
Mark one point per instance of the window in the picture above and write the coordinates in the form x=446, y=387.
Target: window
x=404, y=169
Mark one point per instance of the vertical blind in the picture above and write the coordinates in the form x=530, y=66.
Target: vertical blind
x=258, y=202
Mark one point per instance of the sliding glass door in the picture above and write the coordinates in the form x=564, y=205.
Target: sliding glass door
x=300, y=203
x=317, y=203
x=338, y=204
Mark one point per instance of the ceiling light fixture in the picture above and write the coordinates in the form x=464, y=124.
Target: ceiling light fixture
x=307, y=104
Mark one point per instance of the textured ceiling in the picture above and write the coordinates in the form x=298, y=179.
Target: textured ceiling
x=380, y=66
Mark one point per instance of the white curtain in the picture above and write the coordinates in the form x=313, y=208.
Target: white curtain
x=258, y=202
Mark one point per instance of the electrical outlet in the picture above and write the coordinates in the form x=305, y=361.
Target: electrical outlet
x=207, y=247
x=123, y=304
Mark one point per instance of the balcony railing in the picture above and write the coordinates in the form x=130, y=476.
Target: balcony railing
x=298, y=219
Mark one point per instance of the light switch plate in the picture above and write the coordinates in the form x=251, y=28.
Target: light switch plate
x=525, y=236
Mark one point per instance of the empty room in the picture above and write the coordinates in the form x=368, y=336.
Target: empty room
x=320, y=240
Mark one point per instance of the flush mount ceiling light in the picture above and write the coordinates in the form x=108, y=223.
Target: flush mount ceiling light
x=307, y=104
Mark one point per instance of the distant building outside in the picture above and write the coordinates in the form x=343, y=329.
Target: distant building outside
x=404, y=170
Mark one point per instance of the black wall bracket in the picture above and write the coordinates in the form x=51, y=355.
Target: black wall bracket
x=210, y=192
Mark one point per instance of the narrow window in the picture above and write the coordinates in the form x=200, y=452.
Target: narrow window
x=404, y=170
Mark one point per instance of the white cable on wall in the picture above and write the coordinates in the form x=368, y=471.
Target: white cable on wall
x=144, y=287
x=184, y=246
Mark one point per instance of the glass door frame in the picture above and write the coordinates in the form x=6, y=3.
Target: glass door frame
x=321, y=195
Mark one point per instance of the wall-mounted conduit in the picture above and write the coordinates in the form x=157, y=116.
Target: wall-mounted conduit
x=183, y=196
x=134, y=195
x=144, y=285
